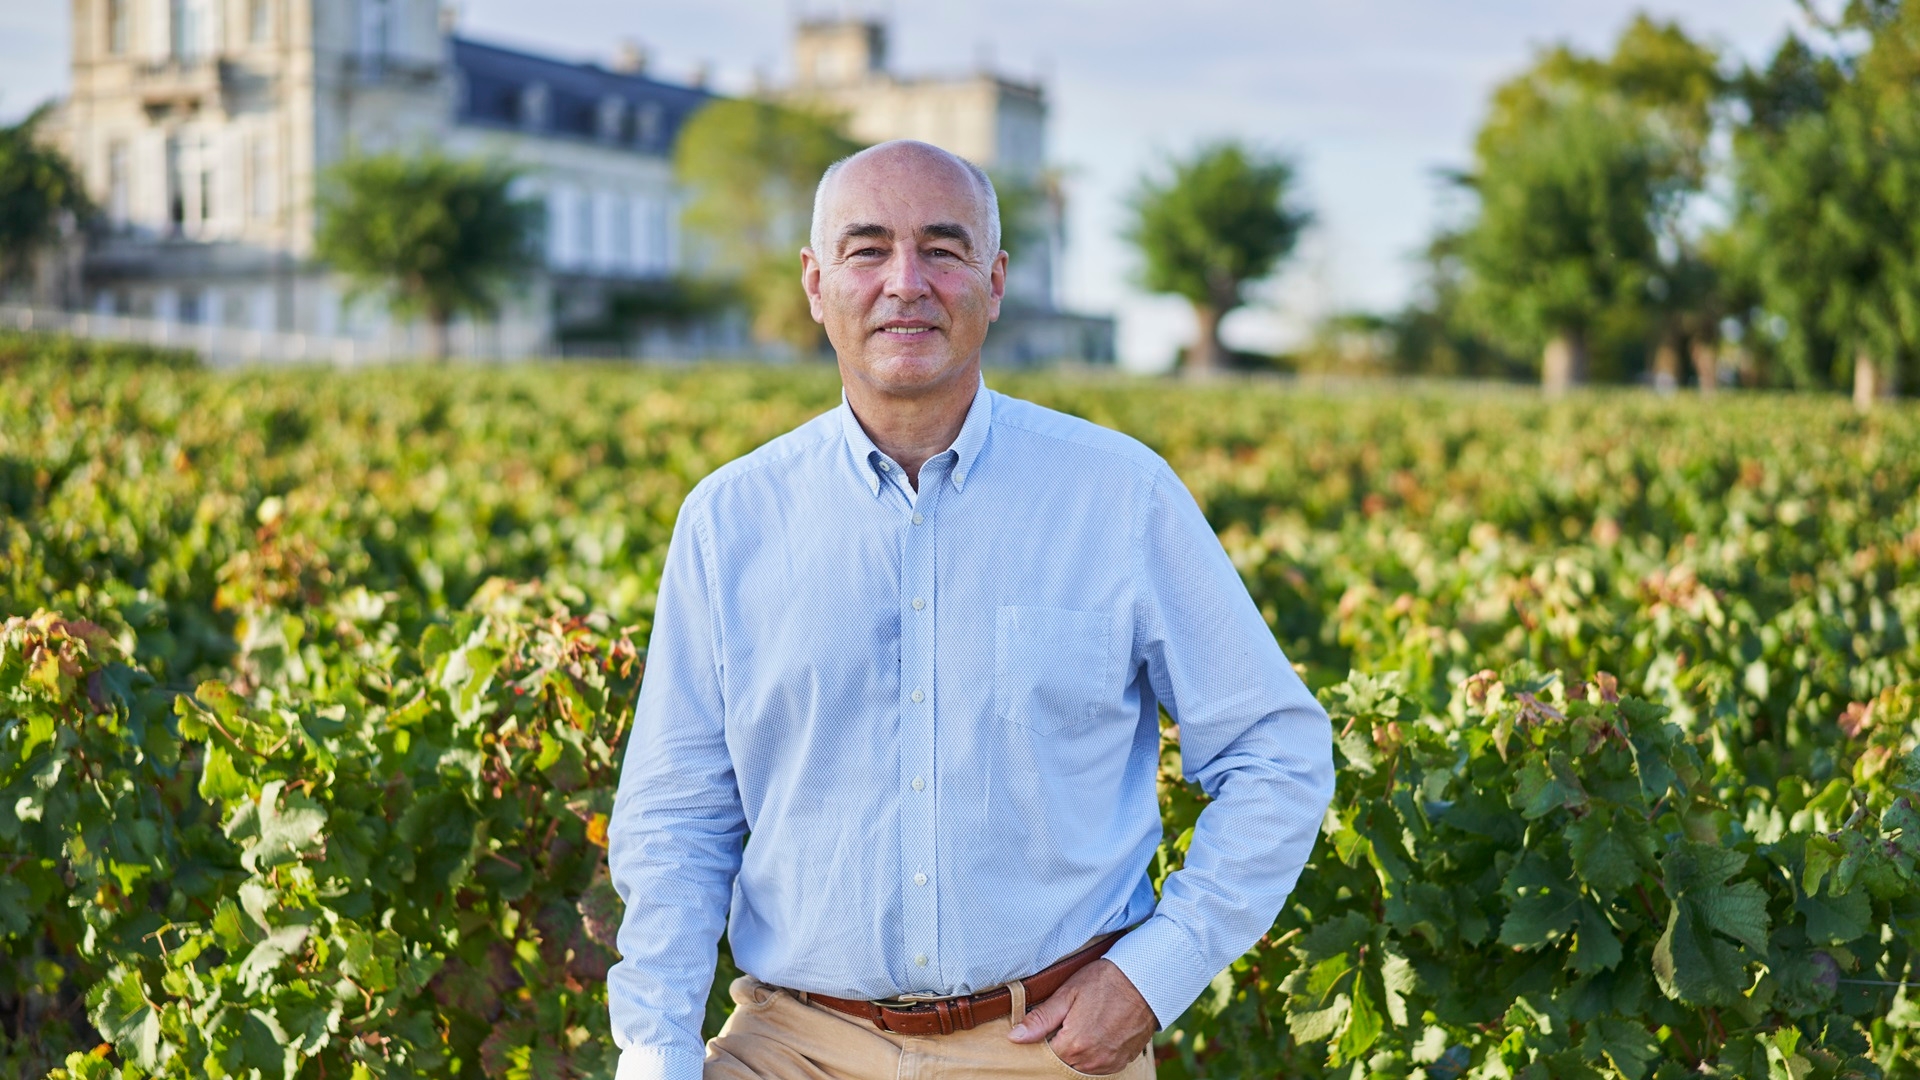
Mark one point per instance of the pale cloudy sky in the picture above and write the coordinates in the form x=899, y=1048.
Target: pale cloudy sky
x=1371, y=96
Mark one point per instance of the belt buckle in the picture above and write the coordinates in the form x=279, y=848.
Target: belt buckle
x=908, y=1001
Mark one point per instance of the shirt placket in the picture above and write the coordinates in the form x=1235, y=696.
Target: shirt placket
x=918, y=655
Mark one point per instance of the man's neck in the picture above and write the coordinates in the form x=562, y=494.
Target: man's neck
x=911, y=430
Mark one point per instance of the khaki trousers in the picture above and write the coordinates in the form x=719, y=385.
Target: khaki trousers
x=775, y=1034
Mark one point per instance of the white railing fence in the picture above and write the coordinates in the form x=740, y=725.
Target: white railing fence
x=223, y=346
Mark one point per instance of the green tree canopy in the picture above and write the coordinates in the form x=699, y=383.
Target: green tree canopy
x=1581, y=170
x=1220, y=221
x=750, y=168
x=436, y=236
x=1656, y=69
x=1828, y=213
x=40, y=193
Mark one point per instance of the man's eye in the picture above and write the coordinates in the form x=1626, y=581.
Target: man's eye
x=866, y=253
x=944, y=252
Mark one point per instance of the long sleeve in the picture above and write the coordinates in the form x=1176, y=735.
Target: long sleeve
x=677, y=827
x=1251, y=735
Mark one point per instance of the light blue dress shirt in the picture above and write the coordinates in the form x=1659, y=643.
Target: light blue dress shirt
x=937, y=715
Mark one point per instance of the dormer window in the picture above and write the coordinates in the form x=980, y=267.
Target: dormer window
x=610, y=118
x=646, y=124
x=533, y=106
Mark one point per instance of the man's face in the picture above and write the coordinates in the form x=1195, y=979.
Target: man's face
x=905, y=287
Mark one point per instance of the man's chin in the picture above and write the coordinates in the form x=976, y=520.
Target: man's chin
x=904, y=370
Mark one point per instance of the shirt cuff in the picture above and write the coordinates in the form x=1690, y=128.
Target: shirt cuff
x=656, y=1063
x=1165, y=964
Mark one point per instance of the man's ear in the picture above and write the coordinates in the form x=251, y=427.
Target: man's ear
x=996, y=285
x=810, y=282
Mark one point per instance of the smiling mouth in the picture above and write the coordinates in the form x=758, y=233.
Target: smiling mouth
x=906, y=331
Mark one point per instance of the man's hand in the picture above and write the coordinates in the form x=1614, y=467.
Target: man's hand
x=1102, y=1021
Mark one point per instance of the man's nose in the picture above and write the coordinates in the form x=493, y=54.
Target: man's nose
x=904, y=278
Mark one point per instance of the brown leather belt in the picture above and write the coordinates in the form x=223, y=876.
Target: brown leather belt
x=947, y=1015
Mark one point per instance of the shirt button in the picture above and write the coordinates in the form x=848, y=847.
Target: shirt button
x=921, y=959
x=919, y=784
x=917, y=519
x=886, y=466
x=918, y=603
x=918, y=696
x=919, y=879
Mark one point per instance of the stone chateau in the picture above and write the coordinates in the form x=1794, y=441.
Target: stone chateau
x=200, y=126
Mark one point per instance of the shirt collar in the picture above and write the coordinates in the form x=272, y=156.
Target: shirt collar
x=966, y=446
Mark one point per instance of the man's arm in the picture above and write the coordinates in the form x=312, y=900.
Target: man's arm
x=675, y=837
x=1251, y=735
x=1256, y=741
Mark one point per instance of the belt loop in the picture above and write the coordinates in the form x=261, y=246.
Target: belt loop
x=1019, y=1010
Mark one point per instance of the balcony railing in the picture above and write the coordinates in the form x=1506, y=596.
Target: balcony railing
x=165, y=82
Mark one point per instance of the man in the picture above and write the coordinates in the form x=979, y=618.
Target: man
x=916, y=649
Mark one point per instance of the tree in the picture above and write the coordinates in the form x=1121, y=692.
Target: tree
x=41, y=197
x=1828, y=207
x=1218, y=223
x=750, y=168
x=437, y=236
x=1581, y=170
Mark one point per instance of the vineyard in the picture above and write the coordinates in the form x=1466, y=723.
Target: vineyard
x=315, y=686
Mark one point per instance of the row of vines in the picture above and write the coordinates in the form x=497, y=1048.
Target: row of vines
x=313, y=688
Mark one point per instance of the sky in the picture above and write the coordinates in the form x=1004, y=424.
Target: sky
x=1371, y=98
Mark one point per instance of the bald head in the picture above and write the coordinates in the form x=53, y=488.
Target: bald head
x=911, y=156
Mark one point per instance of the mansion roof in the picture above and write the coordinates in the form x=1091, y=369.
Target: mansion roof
x=507, y=89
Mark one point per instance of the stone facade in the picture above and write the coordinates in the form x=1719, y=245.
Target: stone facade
x=201, y=127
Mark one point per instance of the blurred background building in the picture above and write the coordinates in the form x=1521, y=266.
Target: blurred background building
x=202, y=127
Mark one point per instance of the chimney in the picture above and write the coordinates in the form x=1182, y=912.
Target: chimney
x=701, y=74
x=630, y=58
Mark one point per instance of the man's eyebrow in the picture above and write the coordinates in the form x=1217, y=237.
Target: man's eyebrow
x=947, y=230
x=865, y=231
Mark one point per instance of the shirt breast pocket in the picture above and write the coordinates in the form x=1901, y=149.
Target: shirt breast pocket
x=1049, y=666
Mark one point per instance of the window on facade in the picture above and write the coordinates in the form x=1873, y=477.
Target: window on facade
x=260, y=20
x=583, y=229
x=179, y=41
x=117, y=36
x=190, y=184
x=203, y=180
x=176, y=187
x=376, y=31
x=259, y=178
x=189, y=22
x=555, y=226
x=262, y=316
x=118, y=196
x=620, y=230
x=658, y=239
